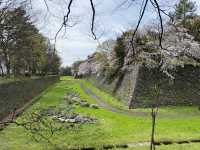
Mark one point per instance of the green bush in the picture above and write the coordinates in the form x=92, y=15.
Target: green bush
x=118, y=61
x=119, y=50
x=193, y=25
x=16, y=94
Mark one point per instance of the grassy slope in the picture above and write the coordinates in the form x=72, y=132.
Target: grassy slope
x=174, y=123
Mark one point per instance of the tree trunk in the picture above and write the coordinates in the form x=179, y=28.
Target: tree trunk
x=184, y=13
x=1, y=67
x=153, y=115
x=8, y=68
x=7, y=64
x=131, y=102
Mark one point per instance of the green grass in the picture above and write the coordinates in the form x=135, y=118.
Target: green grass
x=105, y=96
x=191, y=146
x=174, y=123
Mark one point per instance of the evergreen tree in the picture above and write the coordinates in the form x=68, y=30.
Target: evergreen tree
x=184, y=9
x=23, y=49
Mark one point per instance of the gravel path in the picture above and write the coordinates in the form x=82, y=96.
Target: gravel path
x=102, y=103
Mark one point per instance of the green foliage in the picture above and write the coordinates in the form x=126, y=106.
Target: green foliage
x=52, y=63
x=185, y=8
x=102, y=59
x=127, y=34
x=119, y=50
x=112, y=127
x=113, y=69
x=23, y=49
x=66, y=71
x=75, y=66
x=141, y=39
x=193, y=25
x=100, y=56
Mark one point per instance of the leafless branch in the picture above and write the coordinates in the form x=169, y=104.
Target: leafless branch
x=46, y=4
x=124, y=3
x=161, y=23
x=65, y=19
x=138, y=24
x=93, y=18
x=154, y=3
x=142, y=11
x=39, y=126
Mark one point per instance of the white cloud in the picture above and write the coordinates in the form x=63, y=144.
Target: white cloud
x=79, y=43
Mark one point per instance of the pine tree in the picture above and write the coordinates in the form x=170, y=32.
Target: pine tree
x=184, y=9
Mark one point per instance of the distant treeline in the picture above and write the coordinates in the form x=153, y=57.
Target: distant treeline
x=23, y=50
x=66, y=71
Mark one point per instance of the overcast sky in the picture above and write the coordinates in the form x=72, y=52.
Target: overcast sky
x=77, y=42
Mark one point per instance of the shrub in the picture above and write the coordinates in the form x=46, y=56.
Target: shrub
x=113, y=69
x=119, y=50
x=193, y=25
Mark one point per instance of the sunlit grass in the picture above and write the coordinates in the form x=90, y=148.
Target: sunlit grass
x=175, y=123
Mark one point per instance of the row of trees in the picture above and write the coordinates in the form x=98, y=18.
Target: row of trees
x=23, y=50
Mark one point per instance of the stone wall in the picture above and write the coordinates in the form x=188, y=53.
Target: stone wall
x=135, y=81
x=137, y=86
x=183, y=90
x=14, y=95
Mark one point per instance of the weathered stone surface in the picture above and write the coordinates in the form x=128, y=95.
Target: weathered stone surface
x=84, y=104
x=75, y=119
x=75, y=100
x=178, y=74
x=94, y=106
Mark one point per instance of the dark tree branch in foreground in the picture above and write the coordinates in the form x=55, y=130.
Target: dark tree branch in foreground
x=154, y=3
x=93, y=18
x=154, y=112
x=46, y=4
x=66, y=19
x=40, y=127
x=161, y=22
x=138, y=24
x=161, y=10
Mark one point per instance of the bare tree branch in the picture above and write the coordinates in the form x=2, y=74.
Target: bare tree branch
x=46, y=4
x=138, y=24
x=93, y=18
x=161, y=23
x=66, y=17
x=154, y=3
